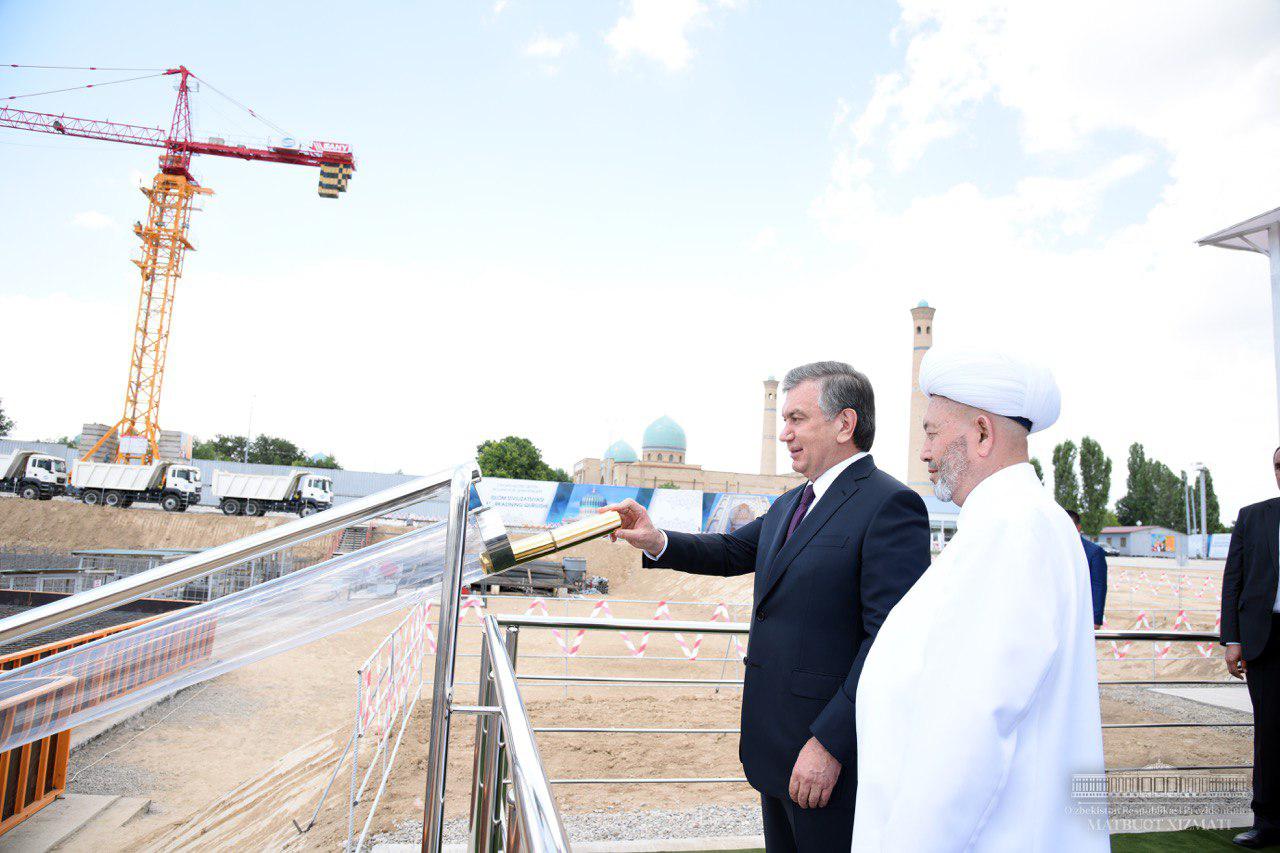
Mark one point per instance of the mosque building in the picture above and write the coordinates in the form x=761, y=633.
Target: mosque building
x=661, y=461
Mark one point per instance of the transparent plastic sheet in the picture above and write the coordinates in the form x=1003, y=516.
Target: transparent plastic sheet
x=189, y=646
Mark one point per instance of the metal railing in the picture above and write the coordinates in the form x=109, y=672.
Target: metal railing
x=210, y=560
x=514, y=623
x=512, y=807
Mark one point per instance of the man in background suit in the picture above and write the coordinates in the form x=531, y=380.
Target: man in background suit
x=1097, y=570
x=1251, y=633
x=831, y=559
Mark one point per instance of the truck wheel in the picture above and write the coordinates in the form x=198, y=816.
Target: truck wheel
x=113, y=499
x=30, y=492
x=230, y=506
x=309, y=509
x=91, y=498
x=171, y=503
x=253, y=508
x=126, y=503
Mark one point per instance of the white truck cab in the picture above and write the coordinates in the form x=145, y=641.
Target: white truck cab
x=35, y=476
x=316, y=489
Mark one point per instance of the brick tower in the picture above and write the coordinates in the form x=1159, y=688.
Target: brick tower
x=922, y=339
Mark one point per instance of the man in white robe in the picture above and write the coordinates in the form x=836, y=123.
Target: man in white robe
x=978, y=703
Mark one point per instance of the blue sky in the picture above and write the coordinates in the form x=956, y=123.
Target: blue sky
x=570, y=218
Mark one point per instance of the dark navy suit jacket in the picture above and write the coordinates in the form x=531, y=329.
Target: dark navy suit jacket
x=819, y=601
x=1097, y=577
x=1250, y=576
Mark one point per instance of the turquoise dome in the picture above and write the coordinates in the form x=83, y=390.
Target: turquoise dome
x=620, y=451
x=664, y=434
x=922, y=304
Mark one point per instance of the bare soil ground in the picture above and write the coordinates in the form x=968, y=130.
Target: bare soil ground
x=231, y=763
x=234, y=764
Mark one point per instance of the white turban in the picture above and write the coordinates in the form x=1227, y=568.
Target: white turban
x=994, y=382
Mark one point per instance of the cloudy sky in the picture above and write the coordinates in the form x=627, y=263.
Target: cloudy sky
x=570, y=218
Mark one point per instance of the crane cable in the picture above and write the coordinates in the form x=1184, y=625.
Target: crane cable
x=85, y=86
x=244, y=107
x=77, y=67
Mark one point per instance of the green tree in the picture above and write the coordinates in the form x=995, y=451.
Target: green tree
x=515, y=458
x=1138, y=506
x=1066, y=484
x=1039, y=469
x=1095, y=489
x=1170, y=507
x=6, y=424
x=668, y=485
x=272, y=450
x=225, y=448
x=320, y=460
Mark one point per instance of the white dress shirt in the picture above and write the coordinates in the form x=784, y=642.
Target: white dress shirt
x=820, y=486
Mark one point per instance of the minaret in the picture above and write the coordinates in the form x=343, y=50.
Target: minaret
x=769, y=435
x=922, y=332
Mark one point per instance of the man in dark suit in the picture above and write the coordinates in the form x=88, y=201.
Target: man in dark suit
x=1251, y=633
x=831, y=558
x=1097, y=570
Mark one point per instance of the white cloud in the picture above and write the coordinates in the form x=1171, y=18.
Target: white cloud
x=550, y=48
x=1153, y=339
x=498, y=7
x=764, y=240
x=658, y=30
x=93, y=220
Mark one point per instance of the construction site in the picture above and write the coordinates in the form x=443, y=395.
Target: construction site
x=275, y=758
x=215, y=654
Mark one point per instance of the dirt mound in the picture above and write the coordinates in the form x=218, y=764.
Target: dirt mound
x=64, y=525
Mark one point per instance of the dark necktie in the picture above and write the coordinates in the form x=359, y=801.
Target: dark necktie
x=806, y=501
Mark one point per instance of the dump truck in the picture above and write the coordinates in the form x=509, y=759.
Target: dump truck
x=303, y=492
x=34, y=476
x=173, y=485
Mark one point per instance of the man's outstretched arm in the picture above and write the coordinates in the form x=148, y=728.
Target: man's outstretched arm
x=698, y=553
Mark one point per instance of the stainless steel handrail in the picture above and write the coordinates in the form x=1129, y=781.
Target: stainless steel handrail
x=210, y=560
x=540, y=828
x=667, y=625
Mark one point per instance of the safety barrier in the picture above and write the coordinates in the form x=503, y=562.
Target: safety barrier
x=515, y=623
x=35, y=774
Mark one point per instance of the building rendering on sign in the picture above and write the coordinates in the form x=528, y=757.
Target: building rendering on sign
x=661, y=462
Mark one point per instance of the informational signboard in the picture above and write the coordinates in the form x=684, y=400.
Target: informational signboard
x=540, y=504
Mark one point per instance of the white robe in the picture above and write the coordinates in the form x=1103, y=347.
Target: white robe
x=979, y=699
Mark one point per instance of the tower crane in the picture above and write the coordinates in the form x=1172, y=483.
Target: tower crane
x=164, y=236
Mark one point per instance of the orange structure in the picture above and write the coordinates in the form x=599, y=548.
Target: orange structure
x=164, y=236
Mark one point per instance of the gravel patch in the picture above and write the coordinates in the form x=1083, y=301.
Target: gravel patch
x=1185, y=710
x=604, y=825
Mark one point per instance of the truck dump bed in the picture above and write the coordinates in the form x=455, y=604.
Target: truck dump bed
x=116, y=476
x=262, y=487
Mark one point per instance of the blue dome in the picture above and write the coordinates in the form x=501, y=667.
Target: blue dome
x=922, y=304
x=620, y=451
x=664, y=434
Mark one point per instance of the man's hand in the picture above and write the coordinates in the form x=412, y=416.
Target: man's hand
x=814, y=776
x=1235, y=660
x=637, y=529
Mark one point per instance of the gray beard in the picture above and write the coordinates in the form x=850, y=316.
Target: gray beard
x=942, y=491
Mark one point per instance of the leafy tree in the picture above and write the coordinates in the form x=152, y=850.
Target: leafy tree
x=1138, y=506
x=6, y=424
x=1066, y=485
x=1035, y=463
x=271, y=450
x=320, y=460
x=225, y=448
x=668, y=485
x=515, y=458
x=64, y=440
x=1169, y=508
x=263, y=450
x=1095, y=491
